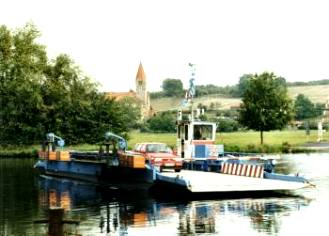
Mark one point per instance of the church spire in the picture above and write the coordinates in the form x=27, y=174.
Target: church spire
x=140, y=73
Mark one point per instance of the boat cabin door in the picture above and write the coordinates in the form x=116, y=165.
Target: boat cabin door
x=183, y=140
x=194, y=133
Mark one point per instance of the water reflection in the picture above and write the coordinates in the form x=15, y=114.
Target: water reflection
x=65, y=193
x=25, y=197
x=104, y=211
x=18, y=197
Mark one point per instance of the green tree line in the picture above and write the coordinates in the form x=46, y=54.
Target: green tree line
x=314, y=82
x=39, y=95
x=174, y=88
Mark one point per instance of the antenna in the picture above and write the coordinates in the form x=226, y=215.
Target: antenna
x=190, y=93
x=191, y=90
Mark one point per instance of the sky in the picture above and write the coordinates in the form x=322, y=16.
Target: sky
x=225, y=39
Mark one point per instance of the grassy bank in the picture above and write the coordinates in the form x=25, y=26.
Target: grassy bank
x=274, y=142
x=19, y=151
x=32, y=150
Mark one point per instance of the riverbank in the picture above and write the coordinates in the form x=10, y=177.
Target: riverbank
x=17, y=151
x=31, y=151
x=287, y=141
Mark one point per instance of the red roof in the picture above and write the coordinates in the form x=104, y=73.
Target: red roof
x=120, y=95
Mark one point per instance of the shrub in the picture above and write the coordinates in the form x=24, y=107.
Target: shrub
x=162, y=122
x=227, y=125
x=286, y=147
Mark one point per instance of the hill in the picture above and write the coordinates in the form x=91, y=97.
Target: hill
x=317, y=94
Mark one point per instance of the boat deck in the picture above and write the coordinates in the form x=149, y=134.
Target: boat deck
x=201, y=182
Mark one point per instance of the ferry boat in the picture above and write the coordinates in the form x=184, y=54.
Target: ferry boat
x=205, y=165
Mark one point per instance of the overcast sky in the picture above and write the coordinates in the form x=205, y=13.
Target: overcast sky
x=224, y=38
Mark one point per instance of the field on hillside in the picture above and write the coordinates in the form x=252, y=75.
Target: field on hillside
x=240, y=139
x=317, y=93
x=219, y=102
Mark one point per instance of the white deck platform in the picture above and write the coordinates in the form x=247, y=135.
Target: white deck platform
x=198, y=182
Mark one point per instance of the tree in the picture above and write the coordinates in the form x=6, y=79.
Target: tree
x=173, y=88
x=22, y=63
x=243, y=84
x=75, y=109
x=266, y=105
x=131, y=111
x=162, y=122
x=39, y=96
x=304, y=108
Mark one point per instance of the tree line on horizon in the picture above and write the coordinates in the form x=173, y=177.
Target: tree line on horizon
x=174, y=88
x=39, y=95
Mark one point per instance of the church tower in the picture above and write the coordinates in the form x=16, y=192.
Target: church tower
x=141, y=84
x=141, y=91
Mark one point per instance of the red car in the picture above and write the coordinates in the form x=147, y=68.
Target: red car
x=159, y=154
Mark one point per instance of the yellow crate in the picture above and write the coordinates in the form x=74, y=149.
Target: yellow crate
x=138, y=162
x=63, y=155
x=52, y=156
x=139, y=219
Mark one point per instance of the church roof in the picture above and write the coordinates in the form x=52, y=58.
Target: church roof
x=140, y=73
x=120, y=95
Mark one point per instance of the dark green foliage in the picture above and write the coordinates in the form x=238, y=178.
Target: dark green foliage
x=237, y=90
x=315, y=82
x=319, y=108
x=304, y=108
x=172, y=88
x=21, y=68
x=286, y=147
x=243, y=84
x=130, y=112
x=203, y=117
x=266, y=105
x=209, y=89
x=227, y=125
x=161, y=122
x=38, y=96
x=228, y=113
x=154, y=95
x=200, y=90
x=232, y=148
x=312, y=125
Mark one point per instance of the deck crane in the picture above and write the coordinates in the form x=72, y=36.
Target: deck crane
x=52, y=141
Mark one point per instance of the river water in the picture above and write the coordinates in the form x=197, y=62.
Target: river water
x=25, y=197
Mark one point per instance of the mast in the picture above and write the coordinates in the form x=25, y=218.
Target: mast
x=190, y=93
x=192, y=88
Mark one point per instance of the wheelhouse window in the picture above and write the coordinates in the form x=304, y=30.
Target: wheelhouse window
x=202, y=132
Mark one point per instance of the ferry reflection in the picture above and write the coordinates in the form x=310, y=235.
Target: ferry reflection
x=263, y=215
x=136, y=213
x=67, y=194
